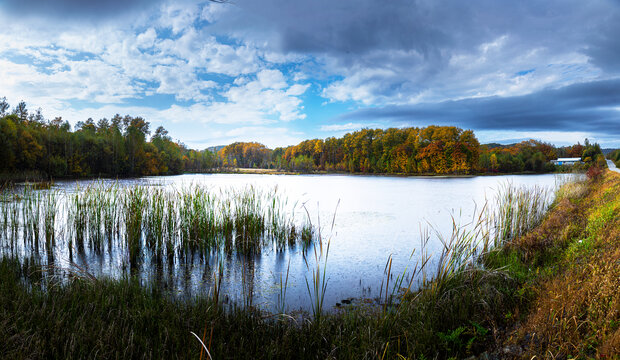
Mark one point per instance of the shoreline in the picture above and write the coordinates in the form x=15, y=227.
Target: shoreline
x=499, y=309
x=258, y=171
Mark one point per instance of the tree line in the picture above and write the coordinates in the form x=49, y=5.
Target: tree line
x=429, y=150
x=124, y=146
x=119, y=146
x=433, y=149
x=535, y=156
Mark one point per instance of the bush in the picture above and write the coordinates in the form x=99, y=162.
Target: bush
x=600, y=161
x=594, y=173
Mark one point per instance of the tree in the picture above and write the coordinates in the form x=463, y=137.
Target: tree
x=136, y=131
x=4, y=106
x=161, y=133
x=590, y=151
x=8, y=142
x=21, y=111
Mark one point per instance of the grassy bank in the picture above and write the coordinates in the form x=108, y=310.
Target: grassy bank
x=575, y=312
x=501, y=287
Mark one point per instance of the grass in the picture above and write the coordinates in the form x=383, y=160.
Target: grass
x=577, y=310
x=148, y=223
x=123, y=318
x=555, y=273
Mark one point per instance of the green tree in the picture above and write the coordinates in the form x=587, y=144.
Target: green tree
x=21, y=111
x=4, y=106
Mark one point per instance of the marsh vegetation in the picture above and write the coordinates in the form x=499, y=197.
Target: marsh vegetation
x=137, y=225
x=455, y=302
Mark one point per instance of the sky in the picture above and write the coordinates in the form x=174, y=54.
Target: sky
x=282, y=71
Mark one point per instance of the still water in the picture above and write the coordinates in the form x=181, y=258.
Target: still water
x=365, y=219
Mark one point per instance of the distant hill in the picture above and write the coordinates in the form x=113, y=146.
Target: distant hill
x=607, y=151
x=497, y=145
x=216, y=148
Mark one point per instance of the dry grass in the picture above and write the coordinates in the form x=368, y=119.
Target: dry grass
x=576, y=313
x=558, y=284
x=559, y=226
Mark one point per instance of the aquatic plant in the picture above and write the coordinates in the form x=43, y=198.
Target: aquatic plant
x=455, y=312
x=148, y=223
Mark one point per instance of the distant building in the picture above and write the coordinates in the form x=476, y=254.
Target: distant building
x=566, y=161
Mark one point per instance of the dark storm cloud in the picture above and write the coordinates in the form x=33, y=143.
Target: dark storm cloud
x=604, y=48
x=589, y=107
x=76, y=8
x=429, y=27
x=354, y=27
x=401, y=49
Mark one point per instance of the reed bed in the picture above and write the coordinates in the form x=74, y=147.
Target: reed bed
x=456, y=308
x=514, y=212
x=518, y=211
x=140, y=223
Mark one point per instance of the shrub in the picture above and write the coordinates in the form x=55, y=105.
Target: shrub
x=594, y=173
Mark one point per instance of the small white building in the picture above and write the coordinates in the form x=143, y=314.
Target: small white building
x=566, y=161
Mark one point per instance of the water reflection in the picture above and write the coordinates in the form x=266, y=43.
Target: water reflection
x=377, y=217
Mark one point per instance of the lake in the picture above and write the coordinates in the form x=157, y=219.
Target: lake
x=365, y=219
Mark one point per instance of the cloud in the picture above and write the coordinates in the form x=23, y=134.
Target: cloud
x=270, y=136
x=604, y=47
x=268, y=95
x=76, y=8
x=527, y=66
x=585, y=107
x=405, y=52
x=271, y=79
x=343, y=127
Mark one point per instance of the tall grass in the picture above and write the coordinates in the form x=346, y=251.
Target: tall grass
x=452, y=311
x=144, y=223
x=317, y=286
x=519, y=210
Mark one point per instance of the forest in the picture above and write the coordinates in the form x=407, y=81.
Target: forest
x=124, y=146
x=429, y=150
x=109, y=147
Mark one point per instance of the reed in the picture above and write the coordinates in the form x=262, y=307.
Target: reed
x=281, y=305
x=459, y=304
x=134, y=208
x=518, y=210
x=77, y=220
x=50, y=207
x=318, y=285
x=150, y=223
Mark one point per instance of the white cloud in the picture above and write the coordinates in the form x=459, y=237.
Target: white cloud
x=178, y=16
x=363, y=85
x=147, y=39
x=297, y=89
x=229, y=60
x=182, y=83
x=343, y=127
x=267, y=95
x=271, y=79
x=213, y=11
